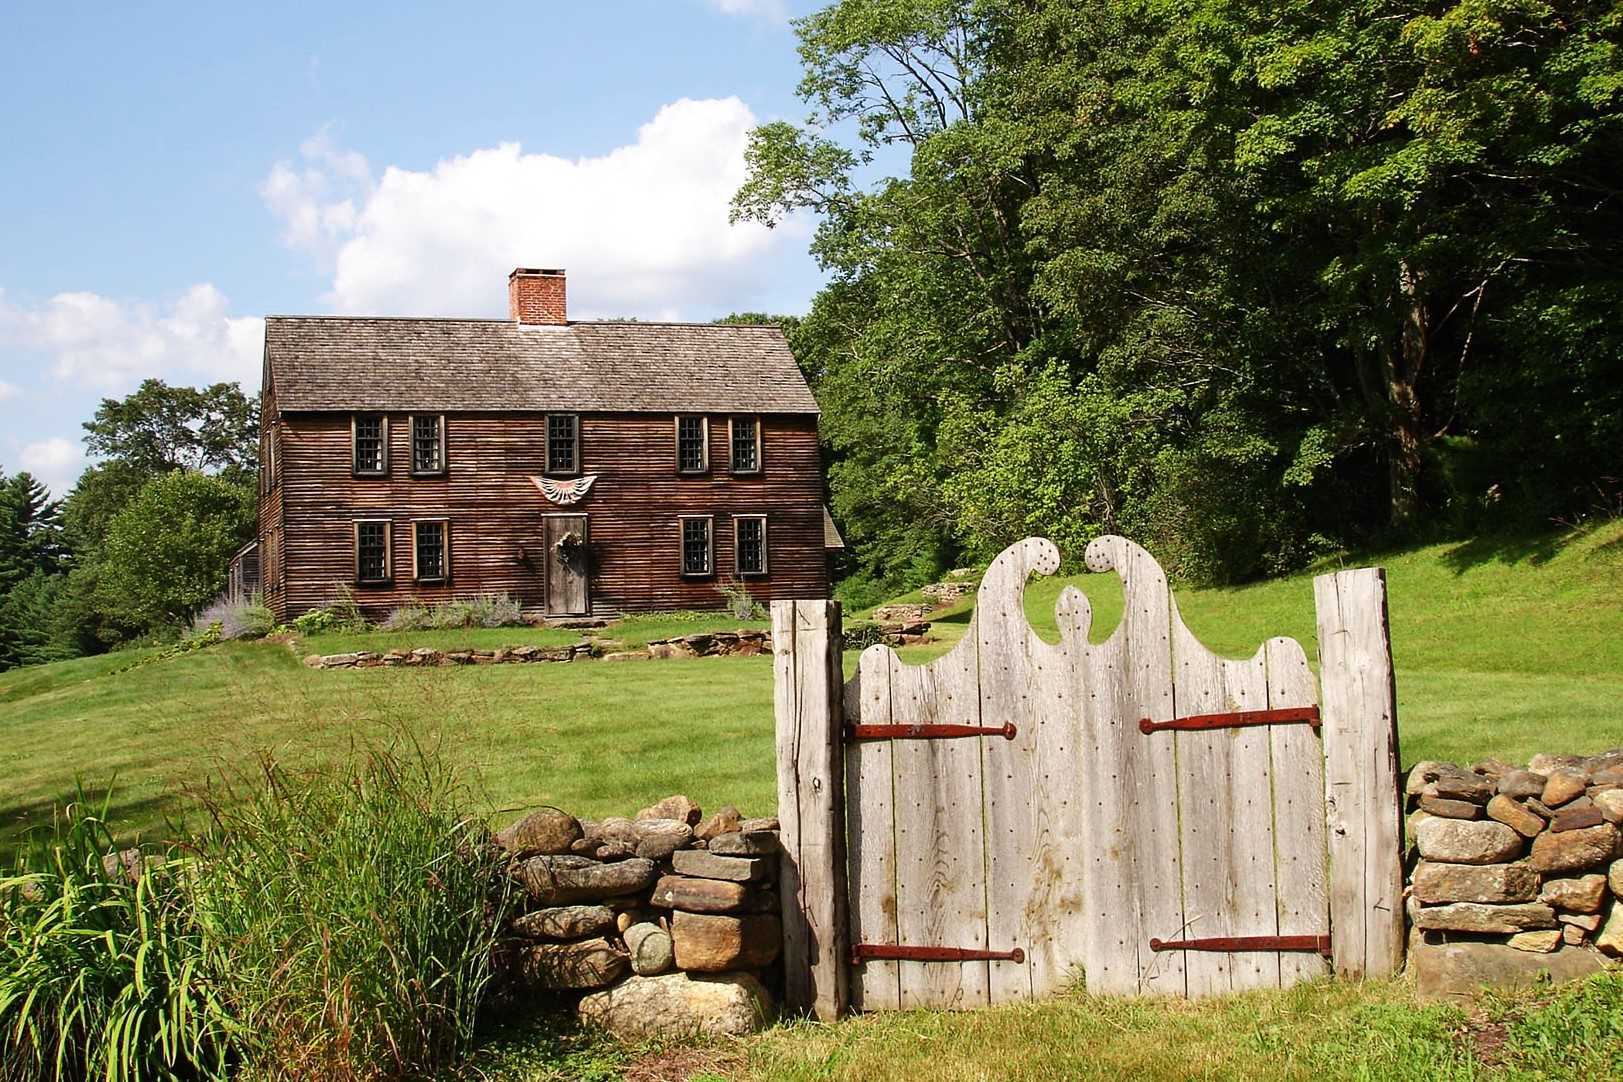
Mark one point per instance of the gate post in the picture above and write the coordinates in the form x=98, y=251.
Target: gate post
x=808, y=683
x=1363, y=802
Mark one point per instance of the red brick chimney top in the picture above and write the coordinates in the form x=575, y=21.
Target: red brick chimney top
x=536, y=296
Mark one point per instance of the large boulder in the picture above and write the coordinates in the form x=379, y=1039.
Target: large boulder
x=699, y=895
x=546, y=831
x=674, y=807
x=1493, y=883
x=565, y=880
x=1467, y=841
x=753, y=843
x=705, y=865
x=677, y=1005
x=1459, y=969
x=1510, y=812
x=1577, y=894
x=715, y=944
x=650, y=948
x=659, y=838
x=1574, y=850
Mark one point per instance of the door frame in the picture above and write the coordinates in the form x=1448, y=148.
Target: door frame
x=546, y=565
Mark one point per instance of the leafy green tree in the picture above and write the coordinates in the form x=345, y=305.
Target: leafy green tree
x=166, y=552
x=159, y=427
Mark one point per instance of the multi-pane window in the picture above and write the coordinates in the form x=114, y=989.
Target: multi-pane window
x=371, y=444
x=427, y=444
x=746, y=443
x=749, y=544
x=372, y=550
x=696, y=546
x=563, y=443
x=692, y=439
x=431, y=550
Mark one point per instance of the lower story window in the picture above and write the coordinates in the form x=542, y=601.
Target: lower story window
x=696, y=546
x=432, y=550
x=749, y=544
x=372, y=550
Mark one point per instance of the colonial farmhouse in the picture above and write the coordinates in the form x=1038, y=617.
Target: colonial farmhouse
x=584, y=468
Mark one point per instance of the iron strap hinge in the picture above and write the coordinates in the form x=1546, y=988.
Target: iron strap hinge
x=1236, y=719
x=1319, y=943
x=894, y=952
x=927, y=732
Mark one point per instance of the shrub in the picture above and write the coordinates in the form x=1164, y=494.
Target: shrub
x=739, y=600
x=339, y=614
x=481, y=610
x=244, y=619
x=862, y=634
x=101, y=965
x=353, y=912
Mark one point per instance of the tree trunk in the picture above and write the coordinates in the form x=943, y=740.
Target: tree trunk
x=1391, y=384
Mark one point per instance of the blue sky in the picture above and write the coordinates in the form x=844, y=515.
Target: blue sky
x=169, y=174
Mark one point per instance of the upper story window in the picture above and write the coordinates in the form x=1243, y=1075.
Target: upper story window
x=431, y=550
x=696, y=546
x=746, y=444
x=373, y=562
x=692, y=443
x=749, y=544
x=563, y=443
x=370, y=438
x=427, y=444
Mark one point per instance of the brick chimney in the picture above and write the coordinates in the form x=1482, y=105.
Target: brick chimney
x=537, y=297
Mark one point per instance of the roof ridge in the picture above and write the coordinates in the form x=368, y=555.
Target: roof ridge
x=572, y=323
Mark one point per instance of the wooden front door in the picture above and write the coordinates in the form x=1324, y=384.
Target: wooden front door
x=567, y=565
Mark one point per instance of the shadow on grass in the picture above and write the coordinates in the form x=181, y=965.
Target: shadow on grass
x=1509, y=549
x=27, y=825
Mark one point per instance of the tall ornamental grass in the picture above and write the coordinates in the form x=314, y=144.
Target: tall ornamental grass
x=102, y=964
x=352, y=914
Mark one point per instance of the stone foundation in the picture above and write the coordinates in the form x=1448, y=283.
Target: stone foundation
x=1515, y=871
x=666, y=923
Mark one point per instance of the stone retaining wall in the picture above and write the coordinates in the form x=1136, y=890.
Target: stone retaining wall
x=665, y=923
x=1515, y=872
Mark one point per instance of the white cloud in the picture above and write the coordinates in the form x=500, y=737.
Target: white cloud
x=7, y=390
x=55, y=461
x=775, y=10
x=642, y=229
x=111, y=345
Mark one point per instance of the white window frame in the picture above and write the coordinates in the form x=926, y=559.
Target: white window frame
x=732, y=462
x=709, y=547
x=388, y=550
x=383, y=435
x=445, y=549
x=438, y=419
x=738, y=568
x=704, y=452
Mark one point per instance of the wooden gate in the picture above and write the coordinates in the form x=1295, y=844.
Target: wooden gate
x=1139, y=813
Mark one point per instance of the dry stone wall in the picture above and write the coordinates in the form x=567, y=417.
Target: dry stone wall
x=665, y=923
x=1515, y=871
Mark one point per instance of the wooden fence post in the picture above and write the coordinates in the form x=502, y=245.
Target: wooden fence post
x=1363, y=804
x=808, y=684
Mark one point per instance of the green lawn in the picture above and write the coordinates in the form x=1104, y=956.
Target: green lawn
x=631, y=633
x=1501, y=650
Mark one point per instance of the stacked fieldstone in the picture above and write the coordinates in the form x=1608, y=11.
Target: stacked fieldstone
x=426, y=655
x=1518, y=869
x=666, y=923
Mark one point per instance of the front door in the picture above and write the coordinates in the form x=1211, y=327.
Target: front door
x=566, y=539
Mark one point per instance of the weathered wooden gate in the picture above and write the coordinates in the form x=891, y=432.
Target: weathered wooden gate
x=1138, y=812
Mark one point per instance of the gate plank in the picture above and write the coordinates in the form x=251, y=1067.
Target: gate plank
x=940, y=856
x=1009, y=692
x=871, y=834
x=1057, y=952
x=1361, y=772
x=811, y=804
x=1298, y=769
x=1145, y=824
x=1252, y=886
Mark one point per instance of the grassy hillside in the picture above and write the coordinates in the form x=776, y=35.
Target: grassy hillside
x=1502, y=649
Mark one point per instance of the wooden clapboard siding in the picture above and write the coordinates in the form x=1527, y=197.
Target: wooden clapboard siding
x=495, y=512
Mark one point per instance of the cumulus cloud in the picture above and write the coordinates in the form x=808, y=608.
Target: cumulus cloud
x=642, y=229
x=7, y=390
x=56, y=461
x=111, y=345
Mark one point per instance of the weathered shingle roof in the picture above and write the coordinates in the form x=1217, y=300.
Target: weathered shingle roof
x=341, y=363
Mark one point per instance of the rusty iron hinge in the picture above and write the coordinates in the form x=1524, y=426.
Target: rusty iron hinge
x=892, y=952
x=1235, y=719
x=927, y=732
x=1319, y=943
